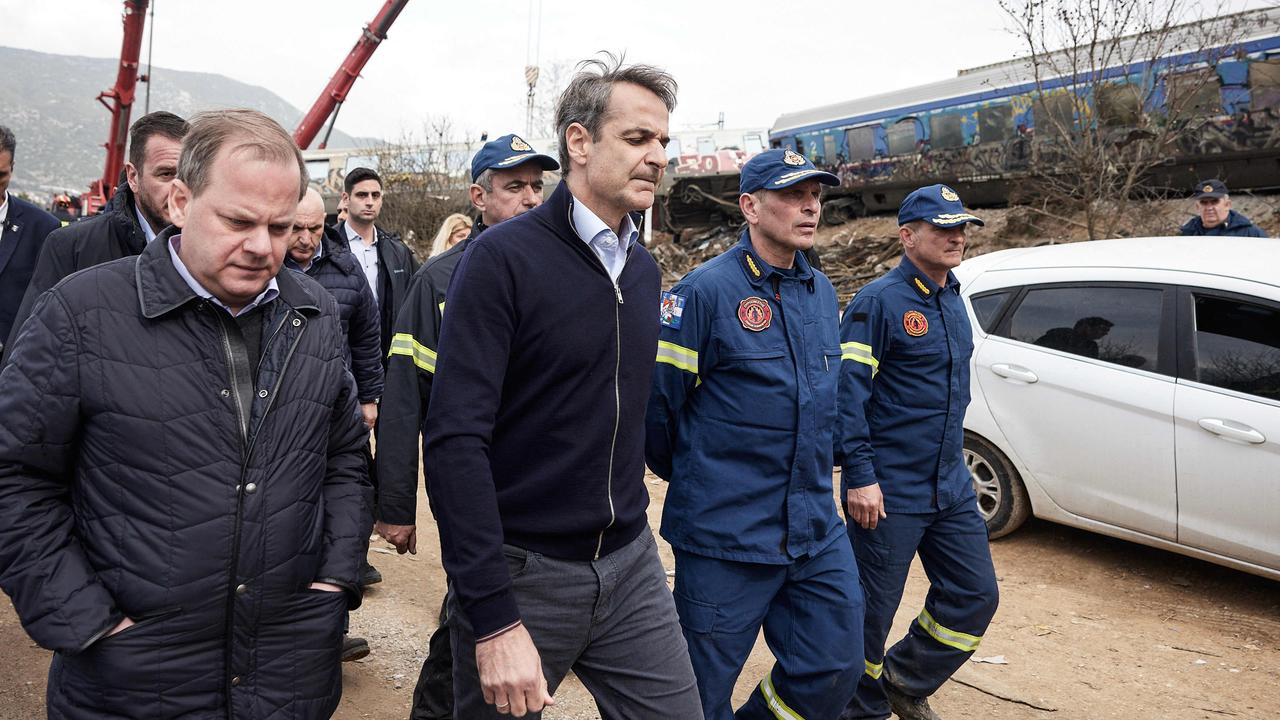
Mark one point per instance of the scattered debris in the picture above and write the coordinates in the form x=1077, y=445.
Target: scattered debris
x=990, y=660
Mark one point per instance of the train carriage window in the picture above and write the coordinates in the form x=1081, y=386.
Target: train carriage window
x=317, y=170
x=706, y=146
x=360, y=161
x=946, y=131
x=995, y=123
x=752, y=143
x=861, y=142
x=1264, y=84
x=1055, y=115
x=1119, y=104
x=673, y=148
x=829, y=149
x=1193, y=93
x=901, y=137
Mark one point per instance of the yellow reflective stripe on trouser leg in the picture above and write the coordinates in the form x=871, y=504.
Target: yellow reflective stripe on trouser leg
x=859, y=352
x=422, y=356
x=963, y=642
x=679, y=356
x=775, y=703
x=874, y=669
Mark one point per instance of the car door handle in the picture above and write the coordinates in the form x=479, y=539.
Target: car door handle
x=1233, y=430
x=1014, y=372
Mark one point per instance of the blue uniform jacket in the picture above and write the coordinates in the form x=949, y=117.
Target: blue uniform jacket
x=904, y=387
x=743, y=410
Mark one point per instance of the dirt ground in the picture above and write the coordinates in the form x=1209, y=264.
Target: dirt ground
x=1090, y=628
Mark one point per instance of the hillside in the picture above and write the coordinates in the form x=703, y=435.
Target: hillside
x=49, y=104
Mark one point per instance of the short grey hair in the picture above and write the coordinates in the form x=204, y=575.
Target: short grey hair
x=485, y=180
x=249, y=130
x=8, y=143
x=586, y=99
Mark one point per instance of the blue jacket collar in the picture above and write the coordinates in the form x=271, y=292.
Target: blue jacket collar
x=920, y=283
x=758, y=271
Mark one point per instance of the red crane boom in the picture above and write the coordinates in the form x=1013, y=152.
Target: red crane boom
x=121, y=97
x=335, y=93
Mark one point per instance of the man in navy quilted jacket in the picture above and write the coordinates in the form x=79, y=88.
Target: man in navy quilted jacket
x=184, y=501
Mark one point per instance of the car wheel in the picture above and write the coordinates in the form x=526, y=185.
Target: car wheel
x=1002, y=499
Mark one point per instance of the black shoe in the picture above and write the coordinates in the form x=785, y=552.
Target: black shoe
x=369, y=575
x=354, y=648
x=907, y=707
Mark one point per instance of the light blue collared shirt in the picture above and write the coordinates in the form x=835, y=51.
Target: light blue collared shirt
x=366, y=254
x=266, y=296
x=602, y=240
x=146, y=226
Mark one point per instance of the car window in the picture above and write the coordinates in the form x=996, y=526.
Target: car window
x=1238, y=346
x=987, y=307
x=1114, y=324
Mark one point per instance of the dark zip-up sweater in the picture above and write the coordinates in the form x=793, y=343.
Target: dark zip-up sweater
x=535, y=428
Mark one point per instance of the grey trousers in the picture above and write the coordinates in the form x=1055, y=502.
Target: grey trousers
x=612, y=621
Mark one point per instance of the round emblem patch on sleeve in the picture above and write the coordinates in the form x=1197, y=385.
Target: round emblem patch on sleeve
x=913, y=321
x=755, y=314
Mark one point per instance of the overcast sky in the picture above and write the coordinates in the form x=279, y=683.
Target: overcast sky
x=465, y=59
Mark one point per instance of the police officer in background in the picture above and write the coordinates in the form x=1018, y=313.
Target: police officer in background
x=506, y=181
x=741, y=421
x=904, y=386
x=1215, y=216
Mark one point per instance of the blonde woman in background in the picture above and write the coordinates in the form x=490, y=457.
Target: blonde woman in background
x=453, y=230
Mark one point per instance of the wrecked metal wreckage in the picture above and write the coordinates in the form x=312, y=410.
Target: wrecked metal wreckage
x=977, y=133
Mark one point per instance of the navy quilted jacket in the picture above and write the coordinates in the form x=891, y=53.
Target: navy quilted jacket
x=340, y=273
x=132, y=483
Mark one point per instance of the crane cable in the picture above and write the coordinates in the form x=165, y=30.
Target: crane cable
x=533, y=53
x=151, y=37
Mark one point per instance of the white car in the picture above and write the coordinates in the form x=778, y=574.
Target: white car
x=1132, y=388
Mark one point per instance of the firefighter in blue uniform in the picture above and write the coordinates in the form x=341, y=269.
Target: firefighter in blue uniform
x=741, y=421
x=904, y=385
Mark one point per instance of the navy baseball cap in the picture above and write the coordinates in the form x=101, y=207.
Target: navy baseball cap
x=1210, y=189
x=937, y=205
x=779, y=168
x=508, y=151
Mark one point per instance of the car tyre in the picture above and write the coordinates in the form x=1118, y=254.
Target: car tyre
x=1002, y=498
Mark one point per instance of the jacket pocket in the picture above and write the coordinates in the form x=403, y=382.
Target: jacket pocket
x=139, y=626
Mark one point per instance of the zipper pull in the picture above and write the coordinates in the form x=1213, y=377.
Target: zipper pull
x=618, y=292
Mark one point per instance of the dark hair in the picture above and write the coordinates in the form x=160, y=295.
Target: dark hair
x=8, y=143
x=359, y=175
x=246, y=131
x=152, y=124
x=586, y=98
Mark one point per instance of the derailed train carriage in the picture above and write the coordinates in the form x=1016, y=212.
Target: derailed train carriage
x=977, y=131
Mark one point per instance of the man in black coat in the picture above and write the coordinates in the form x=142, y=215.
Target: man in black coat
x=135, y=214
x=184, y=503
x=320, y=253
x=388, y=263
x=1214, y=215
x=23, y=228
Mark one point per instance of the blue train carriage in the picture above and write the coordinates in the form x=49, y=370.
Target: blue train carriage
x=977, y=131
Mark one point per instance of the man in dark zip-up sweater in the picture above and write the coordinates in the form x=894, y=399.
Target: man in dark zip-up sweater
x=506, y=181
x=535, y=430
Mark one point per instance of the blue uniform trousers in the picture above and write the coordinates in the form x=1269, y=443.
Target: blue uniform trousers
x=961, y=601
x=811, y=610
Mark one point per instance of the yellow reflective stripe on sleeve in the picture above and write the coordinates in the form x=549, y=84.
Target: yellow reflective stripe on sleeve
x=963, y=642
x=422, y=356
x=681, y=357
x=775, y=703
x=858, y=352
x=874, y=669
